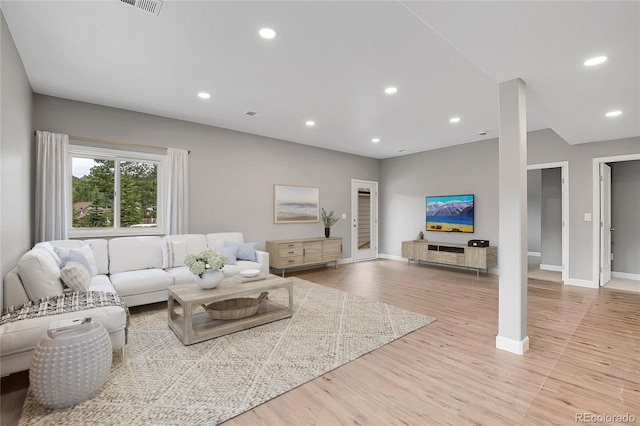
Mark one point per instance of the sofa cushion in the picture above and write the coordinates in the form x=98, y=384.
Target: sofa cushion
x=23, y=336
x=134, y=254
x=245, y=251
x=40, y=274
x=230, y=252
x=65, y=244
x=195, y=243
x=76, y=276
x=101, y=283
x=100, y=249
x=173, y=253
x=181, y=275
x=140, y=282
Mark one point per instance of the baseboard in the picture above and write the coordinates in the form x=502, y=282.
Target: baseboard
x=582, y=283
x=513, y=346
x=534, y=254
x=345, y=260
x=391, y=257
x=554, y=268
x=625, y=276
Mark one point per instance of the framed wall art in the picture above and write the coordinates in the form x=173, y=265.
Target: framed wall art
x=294, y=204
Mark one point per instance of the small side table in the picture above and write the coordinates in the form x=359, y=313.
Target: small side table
x=71, y=363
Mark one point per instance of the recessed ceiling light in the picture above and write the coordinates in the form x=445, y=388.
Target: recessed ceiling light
x=268, y=33
x=310, y=123
x=454, y=120
x=402, y=151
x=613, y=113
x=375, y=140
x=391, y=90
x=595, y=61
x=204, y=95
x=483, y=132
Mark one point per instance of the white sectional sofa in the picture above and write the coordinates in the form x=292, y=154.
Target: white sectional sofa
x=138, y=269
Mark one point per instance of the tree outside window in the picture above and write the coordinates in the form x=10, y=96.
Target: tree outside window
x=114, y=193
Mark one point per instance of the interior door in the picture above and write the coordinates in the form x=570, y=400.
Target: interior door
x=364, y=220
x=605, y=223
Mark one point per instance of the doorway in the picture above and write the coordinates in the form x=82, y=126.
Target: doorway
x=364, y=220
x=602, y=212
x=549, y=261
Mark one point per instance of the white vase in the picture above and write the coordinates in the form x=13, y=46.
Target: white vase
x=210, y=279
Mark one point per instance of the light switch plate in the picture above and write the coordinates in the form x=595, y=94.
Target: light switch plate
x=344, y=215
x=587, y=217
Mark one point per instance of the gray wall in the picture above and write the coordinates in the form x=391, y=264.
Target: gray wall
x=231, y=173
x=551, y=217
x=473, y=168
x=534, y=188
x=545, y=146
x=625, y=216
x=406, y=181
x=16, y=155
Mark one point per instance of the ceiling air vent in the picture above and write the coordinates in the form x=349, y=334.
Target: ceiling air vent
x=149, y=6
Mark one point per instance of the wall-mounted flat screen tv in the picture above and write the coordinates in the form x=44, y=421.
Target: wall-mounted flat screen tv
x=450, y=213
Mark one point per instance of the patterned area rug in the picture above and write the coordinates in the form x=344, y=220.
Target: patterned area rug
x=162, y=382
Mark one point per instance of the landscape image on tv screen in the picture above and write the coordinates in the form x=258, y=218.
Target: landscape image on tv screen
x=450, y=213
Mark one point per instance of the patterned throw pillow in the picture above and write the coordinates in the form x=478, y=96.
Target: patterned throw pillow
x=173, y=253
x=76, y=276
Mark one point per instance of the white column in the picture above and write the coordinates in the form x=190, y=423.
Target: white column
x=512, y=243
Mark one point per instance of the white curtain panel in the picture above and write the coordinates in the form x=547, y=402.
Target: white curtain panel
x=51, y=186
x=178, y=193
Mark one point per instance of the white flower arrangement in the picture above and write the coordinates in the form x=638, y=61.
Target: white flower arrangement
x=207, y=259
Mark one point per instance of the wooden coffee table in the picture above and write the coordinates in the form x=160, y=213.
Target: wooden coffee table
x=196, y=327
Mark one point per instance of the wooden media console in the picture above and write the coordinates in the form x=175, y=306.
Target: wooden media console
x=451, y=254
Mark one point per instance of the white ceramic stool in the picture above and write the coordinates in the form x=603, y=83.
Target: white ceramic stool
x=71, y=363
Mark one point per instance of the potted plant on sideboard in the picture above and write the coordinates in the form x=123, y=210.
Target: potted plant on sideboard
x=329, y=220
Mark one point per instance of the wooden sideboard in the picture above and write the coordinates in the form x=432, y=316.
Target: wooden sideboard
x=451, y=254
x=285, y=254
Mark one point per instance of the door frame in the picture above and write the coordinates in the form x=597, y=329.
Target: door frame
x=595, y=186
x=564, y=171
x=354, y=211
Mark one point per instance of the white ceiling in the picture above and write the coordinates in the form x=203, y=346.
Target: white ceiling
x=332, y=60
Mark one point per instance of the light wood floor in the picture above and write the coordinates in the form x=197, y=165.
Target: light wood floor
x=583, y=356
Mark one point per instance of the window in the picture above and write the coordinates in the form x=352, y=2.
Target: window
x=116, y=192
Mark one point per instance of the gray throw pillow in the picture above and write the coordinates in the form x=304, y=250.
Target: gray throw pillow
x=76, y=257
x=230, y=252
x=246, y=251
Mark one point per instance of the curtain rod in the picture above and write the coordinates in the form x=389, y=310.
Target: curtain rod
x=109, y=141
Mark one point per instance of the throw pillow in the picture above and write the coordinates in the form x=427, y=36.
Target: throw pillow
x=84, y=251
x=246, y=251
x=75, y=257
x=173, y=253
x=76, y=276
x=230, y=252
